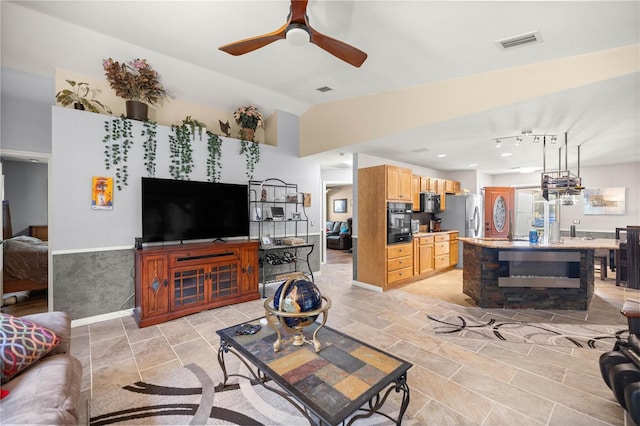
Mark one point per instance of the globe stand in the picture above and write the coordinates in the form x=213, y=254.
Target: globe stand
x=275, y=318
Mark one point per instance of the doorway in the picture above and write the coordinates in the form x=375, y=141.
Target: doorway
x=25, y=286
x=337, y=213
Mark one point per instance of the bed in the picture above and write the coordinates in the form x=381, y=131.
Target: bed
x=25, y=264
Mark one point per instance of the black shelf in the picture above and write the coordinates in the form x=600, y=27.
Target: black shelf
x=275, y=192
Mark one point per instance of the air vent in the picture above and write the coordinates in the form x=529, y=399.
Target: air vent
x=521, y=40
x=324, y=89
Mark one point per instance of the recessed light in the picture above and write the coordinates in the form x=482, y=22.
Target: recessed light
x=442, y=155
x=506, y=154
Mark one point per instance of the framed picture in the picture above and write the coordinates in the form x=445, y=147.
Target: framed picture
x=266, y=241
x=605, y=201
x=340, y=205
x=102, y=193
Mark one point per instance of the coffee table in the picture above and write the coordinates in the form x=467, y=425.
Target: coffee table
x=327, y=387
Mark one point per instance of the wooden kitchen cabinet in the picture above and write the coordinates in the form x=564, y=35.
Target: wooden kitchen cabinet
x=415, y=192
x=399, y=262
x=420, y=184
x=453, y=249
x=398, y=184
x=178, y=280
x=423, y=255
x=441, y=251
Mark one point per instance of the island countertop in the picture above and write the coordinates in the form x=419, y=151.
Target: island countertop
x=566, y=243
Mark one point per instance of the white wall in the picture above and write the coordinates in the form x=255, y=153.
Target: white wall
x=26, y=111
x=619, y=175
x=77, y=155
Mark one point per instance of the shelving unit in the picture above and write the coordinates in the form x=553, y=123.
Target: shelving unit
x=277, y=218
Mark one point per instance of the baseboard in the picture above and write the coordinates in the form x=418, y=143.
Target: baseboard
x=367, y=286
x=102, y=317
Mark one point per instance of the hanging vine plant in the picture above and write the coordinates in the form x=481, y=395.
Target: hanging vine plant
x=180, y=147
x=118, y=140
x=214, y=163
x=150, y=147
x=251, y=151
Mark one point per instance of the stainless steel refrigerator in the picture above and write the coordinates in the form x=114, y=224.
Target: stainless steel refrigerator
x=463, y=214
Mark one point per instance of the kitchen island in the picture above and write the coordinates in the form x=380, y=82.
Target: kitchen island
x=499, y=273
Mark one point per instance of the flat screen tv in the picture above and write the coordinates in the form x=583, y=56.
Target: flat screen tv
x=180, y=210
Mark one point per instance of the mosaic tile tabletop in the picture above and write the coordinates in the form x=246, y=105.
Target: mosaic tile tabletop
x=332, y=383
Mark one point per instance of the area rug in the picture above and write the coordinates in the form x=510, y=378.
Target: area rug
x=594, y=336
x=188, y=395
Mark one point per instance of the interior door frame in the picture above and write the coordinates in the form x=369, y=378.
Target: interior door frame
x=37, y=157
x=325, y=206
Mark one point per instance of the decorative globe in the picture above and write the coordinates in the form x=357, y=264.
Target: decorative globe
x=300, y=295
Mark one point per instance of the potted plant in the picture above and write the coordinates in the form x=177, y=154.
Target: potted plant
x=137, y=82
x=249, y=119
x=78, y=97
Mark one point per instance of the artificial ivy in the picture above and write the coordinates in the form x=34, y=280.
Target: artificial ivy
x=251, y=151
x=180, y=147
x=150, y=147
x=214, y=165
x=117, y=143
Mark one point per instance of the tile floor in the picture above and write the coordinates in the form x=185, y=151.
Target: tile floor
x=453, y=381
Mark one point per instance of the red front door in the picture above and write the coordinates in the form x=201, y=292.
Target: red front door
x=498, y=211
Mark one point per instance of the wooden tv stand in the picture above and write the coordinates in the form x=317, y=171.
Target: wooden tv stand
x=177, y=280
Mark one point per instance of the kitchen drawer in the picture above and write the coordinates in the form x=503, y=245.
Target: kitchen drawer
x=399, y=250
x=441, y=237
x=426, y=240
x=441, y=248
x=399, y=274
x=399, y=263
x=442, y=261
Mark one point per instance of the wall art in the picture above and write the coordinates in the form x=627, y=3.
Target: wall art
x=102, y=193
x=605, y=201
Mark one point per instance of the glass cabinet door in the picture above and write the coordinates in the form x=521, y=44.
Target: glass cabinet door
x=188, y=286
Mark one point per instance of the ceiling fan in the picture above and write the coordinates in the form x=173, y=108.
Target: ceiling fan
x=298, y=19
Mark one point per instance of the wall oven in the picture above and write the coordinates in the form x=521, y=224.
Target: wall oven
x=398, y=222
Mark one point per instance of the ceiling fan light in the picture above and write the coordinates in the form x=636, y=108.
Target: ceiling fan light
x=298, y=36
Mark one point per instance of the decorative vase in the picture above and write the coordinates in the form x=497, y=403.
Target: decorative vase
x=247, y=134
x=137, y=110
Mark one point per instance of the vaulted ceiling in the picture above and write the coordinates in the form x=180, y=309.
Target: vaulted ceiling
x=409, y=43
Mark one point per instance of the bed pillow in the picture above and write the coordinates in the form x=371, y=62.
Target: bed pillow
x=22, y=342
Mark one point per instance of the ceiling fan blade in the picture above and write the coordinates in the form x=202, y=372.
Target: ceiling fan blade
x=250, y=44
x=337, y=48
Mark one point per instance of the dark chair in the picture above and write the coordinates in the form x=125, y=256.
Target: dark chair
x=628, y=257
x=336, y=238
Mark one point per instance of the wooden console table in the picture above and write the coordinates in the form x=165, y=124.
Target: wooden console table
x=177, y=280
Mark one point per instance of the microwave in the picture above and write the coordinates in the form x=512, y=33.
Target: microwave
x=429, y=202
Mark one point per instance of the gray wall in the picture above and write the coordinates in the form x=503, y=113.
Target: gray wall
x=25, y=187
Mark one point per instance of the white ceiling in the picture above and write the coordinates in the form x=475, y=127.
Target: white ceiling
x=408, y=43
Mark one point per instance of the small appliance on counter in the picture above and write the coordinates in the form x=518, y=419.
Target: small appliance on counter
x=415, y=226
x=429, y=202
x=434, y=225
